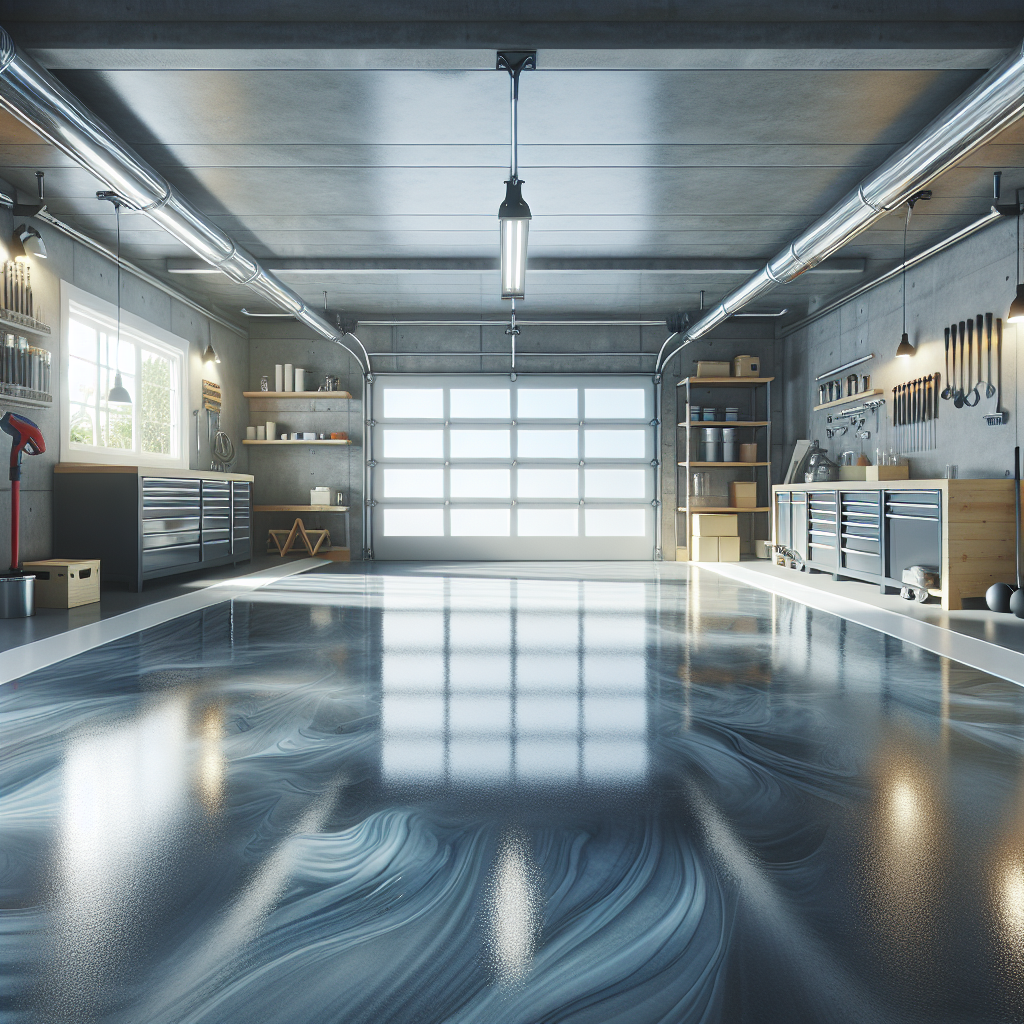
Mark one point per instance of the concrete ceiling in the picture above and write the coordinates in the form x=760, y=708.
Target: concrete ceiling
x=362, y=154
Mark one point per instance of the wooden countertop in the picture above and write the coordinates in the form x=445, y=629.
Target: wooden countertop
x=163, y=471
x=957, y=488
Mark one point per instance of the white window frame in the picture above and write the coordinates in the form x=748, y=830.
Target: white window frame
x=511, y=545
x=143, y=335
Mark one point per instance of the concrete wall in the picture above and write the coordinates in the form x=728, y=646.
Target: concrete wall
x=975, y=276
x=72, y=262
x=284, y=475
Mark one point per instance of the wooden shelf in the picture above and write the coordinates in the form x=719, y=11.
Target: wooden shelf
x=713, y=465
x=317, y=441
x=724, y=423
x=296, y=394
x=723, y=382
x=300, y=508
x=722, y=508
x=850, y=399
x=20, y=322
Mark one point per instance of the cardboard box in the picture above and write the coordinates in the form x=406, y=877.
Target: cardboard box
x=705, y=549
x=61, y=583
x=712, y=368
x=715, y=525
x=855, y=472
x=728, y=549
x=746, y=366
x=887, y=472
x=682, y=554
x=743, y=494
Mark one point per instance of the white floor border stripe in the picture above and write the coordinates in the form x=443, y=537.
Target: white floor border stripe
x=20, y=661
x=947, y=643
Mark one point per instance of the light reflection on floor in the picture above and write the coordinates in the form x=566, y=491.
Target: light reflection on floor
x=601, y=793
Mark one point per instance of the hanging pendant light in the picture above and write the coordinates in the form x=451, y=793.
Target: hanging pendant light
x=118, y=393
x=514, y=214
x=905, y=350
x=210, y=355
x=1016, y=311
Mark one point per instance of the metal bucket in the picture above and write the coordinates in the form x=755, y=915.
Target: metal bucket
x=17, y=597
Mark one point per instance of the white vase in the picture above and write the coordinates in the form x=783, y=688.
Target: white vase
x=289, y=377
x=278, y=377
x=300, y=379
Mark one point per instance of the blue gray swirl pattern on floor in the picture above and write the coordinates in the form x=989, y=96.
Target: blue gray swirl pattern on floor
x=433, y=796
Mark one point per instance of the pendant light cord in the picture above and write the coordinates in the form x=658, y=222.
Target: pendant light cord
x=117, y=346
x=910, y=210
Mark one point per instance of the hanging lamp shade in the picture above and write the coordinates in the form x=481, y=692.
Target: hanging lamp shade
x=210, y=356
x=119, y=393
x=1016, y=313
x=905, y=350
x=514, y=217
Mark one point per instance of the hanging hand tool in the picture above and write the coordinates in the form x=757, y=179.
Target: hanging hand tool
x=946, y=393
x=972, y=388
x=994, y=416
x=958, y=397
x=990, y=388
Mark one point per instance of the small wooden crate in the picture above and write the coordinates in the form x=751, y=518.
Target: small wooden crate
x=61, y=583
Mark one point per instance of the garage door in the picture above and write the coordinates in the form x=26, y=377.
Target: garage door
x=538, y=468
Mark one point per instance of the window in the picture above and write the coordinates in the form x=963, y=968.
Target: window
x=152, y=369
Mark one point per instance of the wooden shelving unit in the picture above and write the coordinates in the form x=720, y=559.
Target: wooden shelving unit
x=753, y=424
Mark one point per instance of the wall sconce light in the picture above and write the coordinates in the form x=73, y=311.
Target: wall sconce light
x=27, y=242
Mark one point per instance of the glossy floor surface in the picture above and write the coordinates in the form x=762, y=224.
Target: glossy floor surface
x=614, y=794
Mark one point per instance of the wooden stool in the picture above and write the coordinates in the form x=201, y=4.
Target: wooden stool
x=299, y=535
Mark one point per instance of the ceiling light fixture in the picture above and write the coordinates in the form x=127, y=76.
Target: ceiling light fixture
x=210, y=355
x=905, y=350
x=118, y=393
x=514, y=214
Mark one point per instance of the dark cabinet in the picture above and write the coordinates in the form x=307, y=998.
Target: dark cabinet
x=143, y=526
x=865, y=534
x=913, y=528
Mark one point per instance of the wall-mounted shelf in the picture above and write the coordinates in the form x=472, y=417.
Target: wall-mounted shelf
x=20, y=322
x=317, y=441
x=850, y=399
x=725, y=423
x=13, y=394
x=696, y=509
x=296, y=394
x=300, y=508
x=715, y=465
x=723, y=382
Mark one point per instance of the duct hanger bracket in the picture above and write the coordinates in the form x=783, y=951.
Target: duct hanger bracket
x=1003, y=209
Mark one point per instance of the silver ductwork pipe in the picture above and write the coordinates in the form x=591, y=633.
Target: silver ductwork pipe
x=39, y=101
x=995, y=101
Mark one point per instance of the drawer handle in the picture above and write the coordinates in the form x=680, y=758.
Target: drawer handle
x=917, y=519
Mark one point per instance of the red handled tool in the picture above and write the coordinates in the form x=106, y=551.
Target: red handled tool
x=26, y=438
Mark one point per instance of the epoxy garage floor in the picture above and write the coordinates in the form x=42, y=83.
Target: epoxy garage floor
x=576, y=793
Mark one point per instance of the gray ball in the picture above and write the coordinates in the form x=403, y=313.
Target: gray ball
x=1017, y=603
x=997, y=597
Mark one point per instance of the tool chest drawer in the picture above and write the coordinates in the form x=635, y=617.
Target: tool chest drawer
x=860, y=535
x=143, y=525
